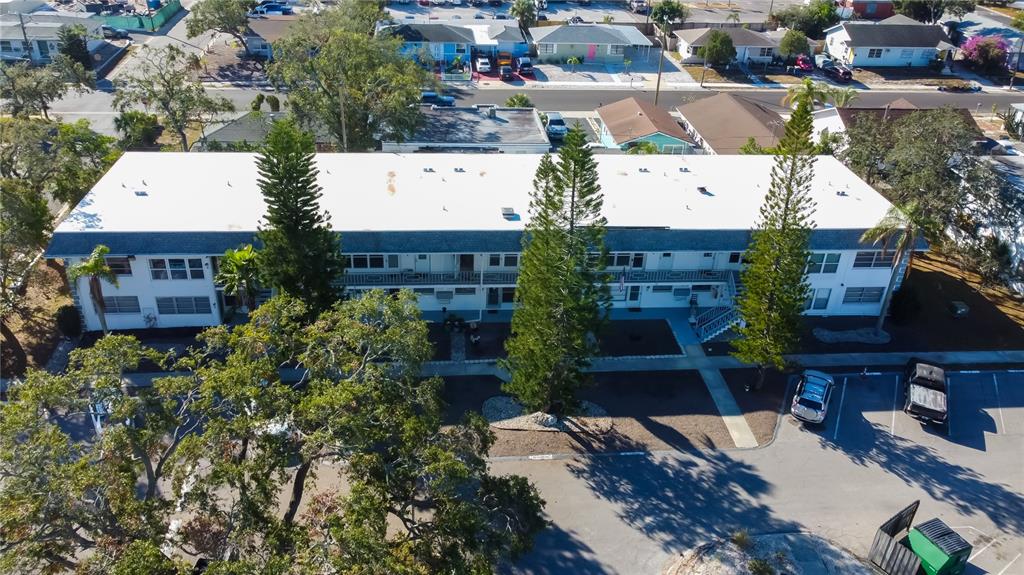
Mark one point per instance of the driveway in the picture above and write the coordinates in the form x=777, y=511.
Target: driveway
x=632, y=513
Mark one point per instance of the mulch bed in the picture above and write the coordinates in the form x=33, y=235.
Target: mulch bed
x=760, y=407
x=649, y=411
x=441, y=339
x=620, y=338
x=36, y=329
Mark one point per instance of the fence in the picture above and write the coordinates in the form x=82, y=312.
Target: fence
x=148, y=23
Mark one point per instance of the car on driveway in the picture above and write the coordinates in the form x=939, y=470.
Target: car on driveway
x=525, y=66
x=556, y=127
x=840, y=74
x=505, y=72
x=813, y=392
x=483, y=65
x=804, y=63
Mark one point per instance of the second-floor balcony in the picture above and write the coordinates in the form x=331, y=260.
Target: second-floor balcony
x=407, y=278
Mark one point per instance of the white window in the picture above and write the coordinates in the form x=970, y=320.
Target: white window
x=863, y=295
x=661, y=289
x=176, y=269
x=5, y=46
x=874, y=259
x=615, y=50
x=907, y=54
x=547, y=48
x=120, y=266
x=875, y=53
x=121, y=304
x=624, y=260
x=370, y=261
x=734, y=257
x=818, y=298
x=465, y=291
x=511, y=260
x=423, y=291
x=494, y=260
x=503, y=260
x=183, y=305
x=765, y=52
x=823, y=263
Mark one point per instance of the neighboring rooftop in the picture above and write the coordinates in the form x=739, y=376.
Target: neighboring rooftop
x=271, y=28
x=726, y=121
x=253, y=127
x=480, y=126
x=630, y=119
x=154, y=192
x=432, y=32
x=889, y=35
x=898, y=109
x=739, y=36
x=589, y=34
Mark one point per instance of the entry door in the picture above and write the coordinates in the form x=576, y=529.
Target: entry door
x=665, y=262
x=466, y=262
x=591, y=52
x=44, y=48
x=422, y=263
x=493, y=297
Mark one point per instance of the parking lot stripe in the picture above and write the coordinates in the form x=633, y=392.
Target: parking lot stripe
x=982, y=550
x=839, y=416
x=1010, y=564
x=999, y=404
x=895, y=396
x=949, y=402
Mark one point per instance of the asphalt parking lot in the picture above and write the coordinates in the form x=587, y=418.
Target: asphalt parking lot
x=975, y=463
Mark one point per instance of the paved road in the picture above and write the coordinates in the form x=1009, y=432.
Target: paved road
x=630, y=514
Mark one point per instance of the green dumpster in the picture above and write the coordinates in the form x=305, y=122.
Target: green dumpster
x=942, y=550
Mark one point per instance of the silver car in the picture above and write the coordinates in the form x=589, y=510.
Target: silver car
x=813, y=392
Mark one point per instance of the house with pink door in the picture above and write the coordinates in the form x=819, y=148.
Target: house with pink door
x=590, y=43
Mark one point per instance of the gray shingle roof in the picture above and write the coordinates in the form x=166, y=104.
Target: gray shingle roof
x=253, y=128
x=739, y=37
x=476, y=126
x=589, y=34
x=506, y=33
x=894, y=35
x=431, y=33
x=72, y=244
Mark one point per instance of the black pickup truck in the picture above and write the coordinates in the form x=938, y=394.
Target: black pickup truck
x=924, y=392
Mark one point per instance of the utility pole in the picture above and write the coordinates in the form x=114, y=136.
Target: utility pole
x=661, y=63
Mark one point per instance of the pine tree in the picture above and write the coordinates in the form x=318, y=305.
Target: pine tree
x=562, y=290
x=301, y=255
x=73, y=44
x=775, y=284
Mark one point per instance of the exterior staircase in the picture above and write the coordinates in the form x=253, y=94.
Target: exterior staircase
x=712, y=322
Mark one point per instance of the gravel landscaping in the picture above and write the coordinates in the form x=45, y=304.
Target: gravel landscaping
x=760, y=407
x=788, y=553
x=620, y=338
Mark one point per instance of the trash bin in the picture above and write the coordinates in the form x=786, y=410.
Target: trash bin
x=942, y=550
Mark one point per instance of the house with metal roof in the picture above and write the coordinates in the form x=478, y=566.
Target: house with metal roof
x=895, y=41
x=627, y=123
x=450, y=228
x=476, y=129
x=750, y=46
x=723, y=123
x=591, y=43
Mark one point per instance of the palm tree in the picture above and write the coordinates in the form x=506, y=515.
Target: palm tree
x=518, y=101
x=733, y=17
x=644, y=148
x=843, y=97
x=814, y=92
x=899, y=228
x=526, y=12
x=663, y=15
x=239, y=275
x=95, y=268
x=573, y=61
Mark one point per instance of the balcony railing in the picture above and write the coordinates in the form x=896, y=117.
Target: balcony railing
x=509, y=278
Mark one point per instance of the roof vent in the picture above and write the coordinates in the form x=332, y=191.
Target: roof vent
x=140, y=193
x=684, y=170
x=460, y=170
x=644, y=171
x=429, y=170
x=841, y=193
x=509, y=214
x=704, y=191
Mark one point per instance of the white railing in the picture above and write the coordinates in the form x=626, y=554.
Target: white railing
x=717, y=325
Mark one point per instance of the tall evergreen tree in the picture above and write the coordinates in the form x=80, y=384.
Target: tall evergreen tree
x=775, y=285
x=301, y=254
x=73, y=44
x=562, y=291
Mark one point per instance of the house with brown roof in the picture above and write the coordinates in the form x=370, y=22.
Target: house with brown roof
x=721, y=124
x=839, y=120
x=627, y=123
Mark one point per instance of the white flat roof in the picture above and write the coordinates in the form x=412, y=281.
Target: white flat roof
x=163, y=192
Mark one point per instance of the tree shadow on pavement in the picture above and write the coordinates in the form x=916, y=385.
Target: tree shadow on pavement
x=924, y=467
x=557, y=552
x=682, y=501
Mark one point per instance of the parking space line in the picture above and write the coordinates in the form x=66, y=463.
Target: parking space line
x=999, y=405
x=982, y=550
x=839, y=416
x=1010, y=564
x=895, y=395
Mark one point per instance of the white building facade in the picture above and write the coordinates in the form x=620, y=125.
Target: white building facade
x=449, y=227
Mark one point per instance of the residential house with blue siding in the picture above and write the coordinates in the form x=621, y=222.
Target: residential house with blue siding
x=627, y=123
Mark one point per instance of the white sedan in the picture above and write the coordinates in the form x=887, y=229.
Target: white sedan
x=483, y=65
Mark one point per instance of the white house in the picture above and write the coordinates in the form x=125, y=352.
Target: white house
x=449, y=227
x=750, y=46
x=895, y=41
x=264, y=31
x=33, y=35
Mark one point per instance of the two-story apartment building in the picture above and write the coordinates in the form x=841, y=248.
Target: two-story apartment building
x=450, y=226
